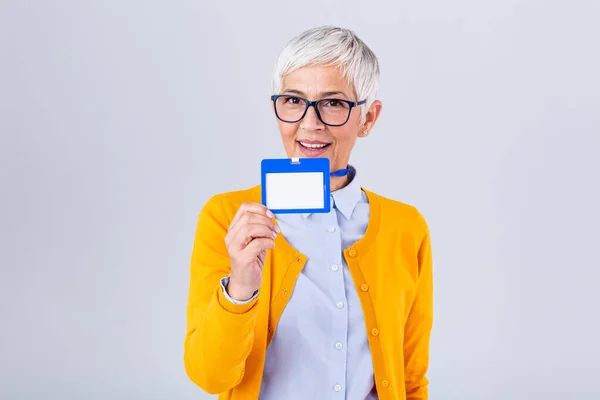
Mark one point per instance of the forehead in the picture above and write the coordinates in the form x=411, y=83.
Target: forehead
x=313, y=81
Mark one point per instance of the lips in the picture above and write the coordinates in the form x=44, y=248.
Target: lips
x=316, y=145
x=312, y=148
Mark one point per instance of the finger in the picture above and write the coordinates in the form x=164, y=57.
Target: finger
x=255, y=218
x=243, y=232
x=256, y=208
x=258, y=245
x=248, y=233
x=250, y=218
x=262, y=257
x=241, y=219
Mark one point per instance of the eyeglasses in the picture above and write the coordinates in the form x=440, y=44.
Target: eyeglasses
x=331, y=112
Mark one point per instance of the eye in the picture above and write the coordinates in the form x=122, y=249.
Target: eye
x=334, y=103
x=291, y=100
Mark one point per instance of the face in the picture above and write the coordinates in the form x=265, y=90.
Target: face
x=309, y=137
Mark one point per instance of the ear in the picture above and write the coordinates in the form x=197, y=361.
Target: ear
x=370, y=118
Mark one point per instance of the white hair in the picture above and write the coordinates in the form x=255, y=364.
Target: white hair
x=331, y=46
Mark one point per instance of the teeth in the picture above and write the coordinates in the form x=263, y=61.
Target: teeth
x=313, y=145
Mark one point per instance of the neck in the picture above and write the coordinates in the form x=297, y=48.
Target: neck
x=338, y=182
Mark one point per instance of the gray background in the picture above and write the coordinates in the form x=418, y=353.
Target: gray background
x=118, y=119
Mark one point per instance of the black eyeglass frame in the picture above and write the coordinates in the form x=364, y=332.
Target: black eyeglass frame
x=351, y=104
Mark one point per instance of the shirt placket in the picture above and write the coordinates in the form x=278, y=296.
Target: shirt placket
x=339, y=338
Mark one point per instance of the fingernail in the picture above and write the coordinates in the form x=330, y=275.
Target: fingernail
x=274, y=235
x=270, y=214
x=277, y=229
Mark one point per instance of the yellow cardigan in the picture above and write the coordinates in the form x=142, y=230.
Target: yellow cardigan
x=225, y=343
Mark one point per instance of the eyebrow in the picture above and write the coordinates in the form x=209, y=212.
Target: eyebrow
x=323, y=95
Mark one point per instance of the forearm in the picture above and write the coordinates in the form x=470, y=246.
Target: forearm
x=217, y=349
x=418, y=326
x=419, y=391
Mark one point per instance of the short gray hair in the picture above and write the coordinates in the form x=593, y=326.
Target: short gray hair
x=331, y=46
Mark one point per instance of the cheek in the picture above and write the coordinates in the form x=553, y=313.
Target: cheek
x=344, y=136
x=288, y=131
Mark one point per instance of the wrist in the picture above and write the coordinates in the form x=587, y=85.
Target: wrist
x=239, y=293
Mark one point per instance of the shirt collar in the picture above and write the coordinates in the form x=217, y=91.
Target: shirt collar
x=346, y=198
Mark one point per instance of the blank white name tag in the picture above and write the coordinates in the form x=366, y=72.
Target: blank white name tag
x=297, y=185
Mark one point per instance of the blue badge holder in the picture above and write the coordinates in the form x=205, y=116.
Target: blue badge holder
x=296, y=185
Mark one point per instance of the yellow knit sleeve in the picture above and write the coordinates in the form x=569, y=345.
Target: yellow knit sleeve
x=219, y=334
x=418, y=326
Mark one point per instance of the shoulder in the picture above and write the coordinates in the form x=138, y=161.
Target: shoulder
x=394, y=214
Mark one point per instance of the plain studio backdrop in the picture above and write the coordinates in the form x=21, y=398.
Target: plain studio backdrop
x=119, y=119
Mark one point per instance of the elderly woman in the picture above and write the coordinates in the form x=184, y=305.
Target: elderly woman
x=332, y=305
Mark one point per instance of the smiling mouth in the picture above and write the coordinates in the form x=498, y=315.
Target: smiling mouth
x=314, y=146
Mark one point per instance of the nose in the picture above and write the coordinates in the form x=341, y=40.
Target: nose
x=311, y=121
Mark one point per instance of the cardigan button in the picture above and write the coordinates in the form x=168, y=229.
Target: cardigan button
x=385, y=383
x=374, y=331
x=352, y=253
x=364, y=287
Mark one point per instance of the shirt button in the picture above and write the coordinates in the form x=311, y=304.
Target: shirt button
x=340, y=305
x=331, y=230
x=364, y=287
x=339, y=345
x=334, y=267
x=374, y=331
x=385, y=383
x=337, y=388
x=352, y=253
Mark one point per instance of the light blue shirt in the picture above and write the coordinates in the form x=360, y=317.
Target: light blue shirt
x=320, y=348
